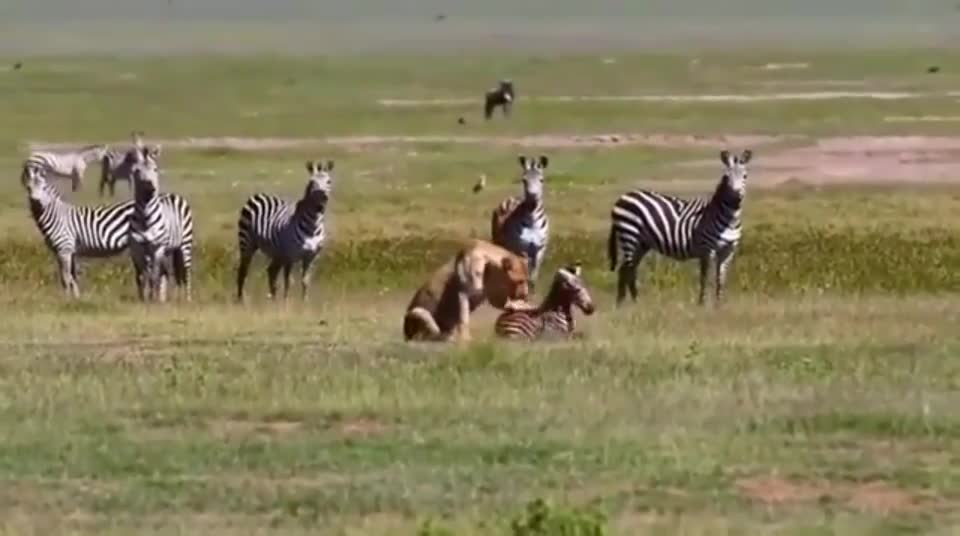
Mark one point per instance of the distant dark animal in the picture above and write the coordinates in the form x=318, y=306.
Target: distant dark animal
x=480, y=185
x=17, y=66
x=933, y=69
x=440, y=17
x=462, y=121
x=118, y=163
x=503, y=95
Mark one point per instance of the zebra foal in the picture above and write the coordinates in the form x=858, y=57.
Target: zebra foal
x=161, y=232
x=705, y=229
x=554, y=316
x=74, y=231
x=286, y=232
x=520, y=224
x=69, y=165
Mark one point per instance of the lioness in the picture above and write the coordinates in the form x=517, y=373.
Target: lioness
x=479, y=272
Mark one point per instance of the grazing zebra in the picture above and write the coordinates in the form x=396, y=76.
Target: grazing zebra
x=71, y=165
x=520, y=224
x=161, y=232
x=554, y=316
x=117, y=164
x=286, y=232
x=74, y=231
x=705, y=229
x=503, y=95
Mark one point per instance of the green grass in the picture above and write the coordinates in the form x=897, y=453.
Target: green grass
x=819, y=399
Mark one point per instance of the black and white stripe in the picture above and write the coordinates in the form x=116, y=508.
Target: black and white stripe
x=74, y=231
x=520, y=224
x=117, y=164
x=503, y=96
x=286, y=232
x=161, y=232
x=704, y=229
x=554, y=317
x=69, y=165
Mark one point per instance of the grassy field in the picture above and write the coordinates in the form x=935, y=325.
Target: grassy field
x=821, y=399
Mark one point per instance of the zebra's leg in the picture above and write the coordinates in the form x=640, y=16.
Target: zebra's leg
x=535, y=257
x=272, y=272
x=181, y=270
x=627, y=275
x=75, y=272
x=139, y=270
x=75, y=178
x=724, y=260
x=65, y=262
x=242, y=270
x=306, y=273
x=287, y=267
x=705, y=261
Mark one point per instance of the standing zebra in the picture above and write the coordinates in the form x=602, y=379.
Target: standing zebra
x=286, y=232
x=117, y=164
x=520, y=224
x=73, y=231
x=705, y=229
x=69, y=165
x=161, y=232
x=554, y=316
x=502, y=95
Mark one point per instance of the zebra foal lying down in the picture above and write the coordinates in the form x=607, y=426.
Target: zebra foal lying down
x=554, y=316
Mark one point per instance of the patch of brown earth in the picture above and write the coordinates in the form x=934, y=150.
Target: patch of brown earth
x=360, y=427
x=858, y=160
x=872, y=497
x=251, y=427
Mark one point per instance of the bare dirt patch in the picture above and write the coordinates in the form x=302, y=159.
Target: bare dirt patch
x=362, y=143
x=245, y=428
x=360, y=427
x=872, y=497
x=859, y=160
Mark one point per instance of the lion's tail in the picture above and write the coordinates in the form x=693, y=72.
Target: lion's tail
x=418, y=319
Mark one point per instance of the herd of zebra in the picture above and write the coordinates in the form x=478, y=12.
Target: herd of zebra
x=157, y=229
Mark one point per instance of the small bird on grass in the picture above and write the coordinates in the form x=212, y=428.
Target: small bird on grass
x=480, y=185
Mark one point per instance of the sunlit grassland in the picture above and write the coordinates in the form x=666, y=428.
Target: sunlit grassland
x=819, y=399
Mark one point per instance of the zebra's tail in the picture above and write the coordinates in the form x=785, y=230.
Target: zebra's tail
x=417, y=319
x=106, y=163
x=612, y=247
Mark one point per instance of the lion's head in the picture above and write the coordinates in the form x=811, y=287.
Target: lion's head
x=507, y=280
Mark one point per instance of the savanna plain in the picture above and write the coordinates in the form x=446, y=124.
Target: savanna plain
x=821, y=397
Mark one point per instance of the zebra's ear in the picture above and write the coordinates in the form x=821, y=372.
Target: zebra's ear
x=329, y=165
x=544, y=161
x=309, y=166
x=523, y=161
x=576, y=269
x=746, y=156
x=725, y=158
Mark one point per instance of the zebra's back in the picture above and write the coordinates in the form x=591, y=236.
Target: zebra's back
x=663, y=222
x=263, y=219
x=98, y=231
